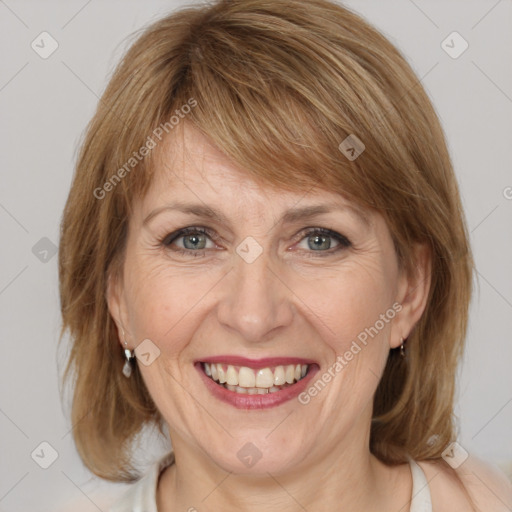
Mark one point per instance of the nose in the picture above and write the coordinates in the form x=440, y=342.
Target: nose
x=255, y=301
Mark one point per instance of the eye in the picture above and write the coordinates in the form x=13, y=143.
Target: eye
x=194, y=241
x=323, y=240
x=189, y=240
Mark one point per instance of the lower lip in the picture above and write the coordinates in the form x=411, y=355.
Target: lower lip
x=243, y=401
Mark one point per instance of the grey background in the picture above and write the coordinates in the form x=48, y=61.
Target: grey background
x=45, y=105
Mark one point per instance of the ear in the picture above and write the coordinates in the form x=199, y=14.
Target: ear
x=413, y=290
x=117, y=306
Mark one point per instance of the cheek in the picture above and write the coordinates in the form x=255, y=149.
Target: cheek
x=350, y=303
x=163, y=303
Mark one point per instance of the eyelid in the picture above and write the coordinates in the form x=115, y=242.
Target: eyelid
x=342, y=240
x=171, y=237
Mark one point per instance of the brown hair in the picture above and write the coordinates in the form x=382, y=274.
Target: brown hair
x=276, y=85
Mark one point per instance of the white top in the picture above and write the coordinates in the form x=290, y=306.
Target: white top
x=141, y=497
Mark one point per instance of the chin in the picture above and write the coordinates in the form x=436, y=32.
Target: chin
x=257, y=455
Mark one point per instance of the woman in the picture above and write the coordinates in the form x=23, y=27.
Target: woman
x=264, y=253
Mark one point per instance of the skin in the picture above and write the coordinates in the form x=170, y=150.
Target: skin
x=291, y=301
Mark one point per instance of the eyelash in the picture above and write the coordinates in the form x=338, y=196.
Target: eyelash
x=343, y=241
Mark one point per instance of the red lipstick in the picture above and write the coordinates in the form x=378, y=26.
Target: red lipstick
x=256, y=363
x=255, y=402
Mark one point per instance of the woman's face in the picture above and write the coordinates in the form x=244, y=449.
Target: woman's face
x=262, y=280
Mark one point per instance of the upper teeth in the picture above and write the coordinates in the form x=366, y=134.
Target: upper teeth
x=262, y=378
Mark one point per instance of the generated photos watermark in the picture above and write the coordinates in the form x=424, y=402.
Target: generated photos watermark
x=343, y=360
x=151, y=143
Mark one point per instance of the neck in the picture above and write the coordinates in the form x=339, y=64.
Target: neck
x=346, y=478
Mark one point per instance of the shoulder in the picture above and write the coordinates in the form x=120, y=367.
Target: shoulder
x=120, y=497
x=92, y=501
x=475, y=485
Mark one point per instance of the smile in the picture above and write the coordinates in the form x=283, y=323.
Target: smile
x=256, y=383
x=245, y=380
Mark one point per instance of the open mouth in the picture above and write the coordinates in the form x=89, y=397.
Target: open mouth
x=248, y=381
x=255, y=384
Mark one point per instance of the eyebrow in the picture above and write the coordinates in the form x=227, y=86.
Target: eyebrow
x=290, y=216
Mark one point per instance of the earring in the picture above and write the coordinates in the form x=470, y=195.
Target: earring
x=127, y=368
x=402, y=348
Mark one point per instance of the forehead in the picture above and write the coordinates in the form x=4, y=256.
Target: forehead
x=187, y=157
x=189, y=171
